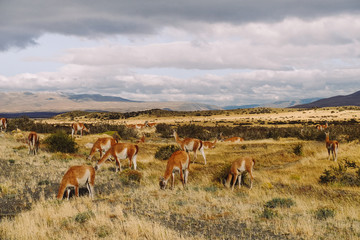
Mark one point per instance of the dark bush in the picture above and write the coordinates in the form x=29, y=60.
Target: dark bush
x=279, y=202
x=60, y=142
x=341, y=175
x=164, y=153
x=84, y=216
x=298, y=149
x=164, y=130
x=324, y=213
x=268, y=213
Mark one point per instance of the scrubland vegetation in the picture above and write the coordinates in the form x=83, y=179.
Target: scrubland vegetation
x=297, y=193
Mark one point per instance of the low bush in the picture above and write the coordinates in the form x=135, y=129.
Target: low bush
x=164, y=130
x=60, y=142
x=280, y=202
x=164, y=153
x=130, y=177
x=84, y=216
x=298, y=149
x=340, y=174
x=324, y=213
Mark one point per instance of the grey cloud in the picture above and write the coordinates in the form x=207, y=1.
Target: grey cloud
x=93, y=18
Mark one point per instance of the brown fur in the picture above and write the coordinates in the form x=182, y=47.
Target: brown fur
x=210, y=145
x=191, y=145
x=322, y=127
x=179, y=160
x=72, y=177
x=102, y=144
x=234, y=140
x=120, y=151
x=141, y=140
x=75, y=127
x=331, y=146
x=236, y=171
x=3, y=124
x=33, y=142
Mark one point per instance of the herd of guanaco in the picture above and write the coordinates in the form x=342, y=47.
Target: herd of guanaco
x=179, y=161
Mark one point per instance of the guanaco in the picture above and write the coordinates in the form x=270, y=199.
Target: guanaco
x=3, y=124
x=76, y=176
x=141, y=140
x=33, y=142
x=210, y=145
x=331, y=146
x=322, y=127
x=237, y=168
x=190, y=145
x=120, y=151
x=101, y=145
x=179, y=161
x=75, y=127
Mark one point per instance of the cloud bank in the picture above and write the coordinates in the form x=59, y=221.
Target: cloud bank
x=222, y=53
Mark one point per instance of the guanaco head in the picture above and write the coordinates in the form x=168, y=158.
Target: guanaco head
x=162, y=183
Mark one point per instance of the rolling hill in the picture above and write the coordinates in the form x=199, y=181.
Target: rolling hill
x=336, y=101
x=50, y=103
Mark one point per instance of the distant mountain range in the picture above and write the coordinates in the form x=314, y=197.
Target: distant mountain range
x=337, y=101
x=278, y=104
x=46, y=104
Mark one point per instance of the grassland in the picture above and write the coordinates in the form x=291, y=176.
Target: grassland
x=126, y=209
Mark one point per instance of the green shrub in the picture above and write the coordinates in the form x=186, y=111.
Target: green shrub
x=164, y=153
x=60, y=142
x=279, y=202
x=340, y=175
x=324, y=213
x=268, y=213
x=84, y=216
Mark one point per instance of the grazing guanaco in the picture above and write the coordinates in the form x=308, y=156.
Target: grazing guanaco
x=210, y=145
x=179, y=161
x=120, y=151
x=237, y=168
x=138, y=126
x=102, y=145
x=75, y=127
x=322, y=127
x=76, y=176
x=33, y=142
x=231, y=139
x=151, y=125
x=141, y=140
x=331, y=146
x=191, y=145
x=3, y=124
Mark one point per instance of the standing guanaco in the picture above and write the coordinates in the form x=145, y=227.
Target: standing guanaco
x=120, y=151
x=76, y=176
x=179, y=161
x=331, y=146
x=3, y=124
x=33, y=142
x=237, y=168
x=191, y=145
x=75, y=127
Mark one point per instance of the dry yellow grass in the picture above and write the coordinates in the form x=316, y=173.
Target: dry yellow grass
x=205, y=209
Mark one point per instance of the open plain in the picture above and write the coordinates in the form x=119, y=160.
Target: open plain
x=298, y=193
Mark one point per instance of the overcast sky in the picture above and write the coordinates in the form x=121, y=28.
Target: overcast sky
x=229, y=52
